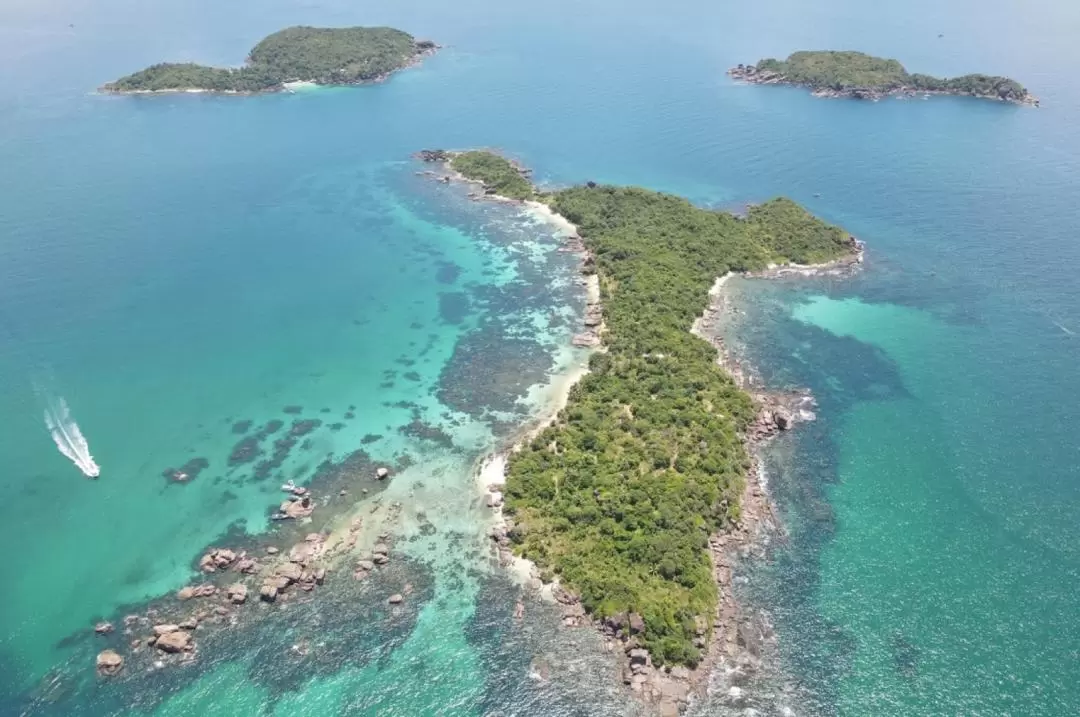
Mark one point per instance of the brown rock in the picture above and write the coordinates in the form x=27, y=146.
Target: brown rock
x=290, y=571
x=269, y=591
x=185, y=593
x=109, y=663
x=176, y=641
x=237, y=593
x=165, y=629
x=246, y=566
x=637, y=623
x=189, y=624
x=380, y=549
x=395, y=599
x=365, y=565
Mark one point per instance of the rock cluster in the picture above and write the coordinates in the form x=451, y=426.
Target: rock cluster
x=594, y=322
x=217, y=559
x=300, y=569
x=434, y=155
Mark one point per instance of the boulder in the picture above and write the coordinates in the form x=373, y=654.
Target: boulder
x=185, y=593
x=380, y=559
x=237, y=593
x=301, y=552
x=247, y=566
x=395, y=599
x=783, y=419
x=176, y=641
x=189, y=624
x=103, y=628
x=271, y=550
x=638, y=656
x=382, y=473
x=320, y=575
x=494, y=499
x=109, y=663
x=381, y=549
x=165, y=629
x=637, y=623
x=290, y=571
x=365, y=565
x=297, y=508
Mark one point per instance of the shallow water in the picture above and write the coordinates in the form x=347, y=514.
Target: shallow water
x=171, y=266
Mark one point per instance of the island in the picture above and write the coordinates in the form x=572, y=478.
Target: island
x=618, y=497
x=857, y=75
x=324, y=56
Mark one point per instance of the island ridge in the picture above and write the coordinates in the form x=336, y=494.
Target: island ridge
x=618, y=497
x=324, y=56
x=831, y=73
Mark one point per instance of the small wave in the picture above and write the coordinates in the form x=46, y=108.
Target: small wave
x=68, y=438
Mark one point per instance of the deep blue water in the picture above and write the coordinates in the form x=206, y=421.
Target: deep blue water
x=171, y=265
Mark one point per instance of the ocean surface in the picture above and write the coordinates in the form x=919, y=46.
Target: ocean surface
x=197, y=278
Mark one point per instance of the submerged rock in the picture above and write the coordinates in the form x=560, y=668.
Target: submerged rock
x=103, y=628
x=109, y=663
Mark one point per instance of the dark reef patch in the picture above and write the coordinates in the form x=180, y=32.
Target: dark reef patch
x=242, y=426
x=490, y=372
x=370, y=438
x=427, y=432
x=453, y=307
x=336, y=426
x=293, y=410
x=187, y=472
x=246, y=451
x=448, y=272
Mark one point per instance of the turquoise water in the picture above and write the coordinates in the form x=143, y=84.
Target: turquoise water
x=172, y=266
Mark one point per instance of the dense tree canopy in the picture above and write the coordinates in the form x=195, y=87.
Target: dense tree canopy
x=842, y=71
x=324, y=55
x=496, y=173
x=619, y=495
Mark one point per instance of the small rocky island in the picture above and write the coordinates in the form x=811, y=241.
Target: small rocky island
x=324, y=56
x=857, y=75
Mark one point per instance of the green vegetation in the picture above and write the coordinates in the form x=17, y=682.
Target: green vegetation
x=328, y=56
x=498, y=174
x=619, y=496
x=852, y=71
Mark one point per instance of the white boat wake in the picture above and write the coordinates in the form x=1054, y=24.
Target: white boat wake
x=68, y=438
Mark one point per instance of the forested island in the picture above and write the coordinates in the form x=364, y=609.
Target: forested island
x=855, y=74
x=325, y=56
x=618, y=497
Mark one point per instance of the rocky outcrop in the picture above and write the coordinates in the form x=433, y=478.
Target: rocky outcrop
x=103, y=628
x=175, y=641
x=237, y=593
x=196, y=591
x=109, y=663
x=434, y=155
x=217, y=559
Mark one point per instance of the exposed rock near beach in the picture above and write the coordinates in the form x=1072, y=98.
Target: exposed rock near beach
x=174, y=641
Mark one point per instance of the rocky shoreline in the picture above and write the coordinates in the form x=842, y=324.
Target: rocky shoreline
x=740, y=640
x=751, y=74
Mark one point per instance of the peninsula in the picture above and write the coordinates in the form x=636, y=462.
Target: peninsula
x=324, y=56
x=619, y=496
x=857, y=75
